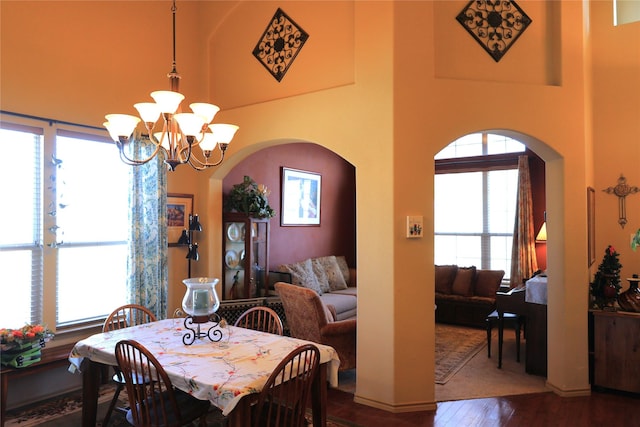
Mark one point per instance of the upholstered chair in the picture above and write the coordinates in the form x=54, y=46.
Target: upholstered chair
x=309, y=319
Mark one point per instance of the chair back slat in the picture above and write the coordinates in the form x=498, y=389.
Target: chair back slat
x=262, y=319
x=283, y=400
x=128, y=315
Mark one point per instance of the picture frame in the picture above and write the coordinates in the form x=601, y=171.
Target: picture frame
x=179, y=207
x=591, y=226
x=300, y=197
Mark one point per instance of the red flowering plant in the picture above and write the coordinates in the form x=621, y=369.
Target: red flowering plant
x=15, y=338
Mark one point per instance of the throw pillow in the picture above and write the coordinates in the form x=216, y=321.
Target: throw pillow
x=444, y=278
x=488, y=282
x=321, y=276
x=302, y=275
x=332, y=270
x=462, y=284
x=344, y=268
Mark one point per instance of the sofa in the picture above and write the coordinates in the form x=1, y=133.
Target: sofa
x=331, y=278
x=465, y=295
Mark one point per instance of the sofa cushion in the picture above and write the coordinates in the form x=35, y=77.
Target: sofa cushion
x=344, y=268
x=463, y=300
x=463, y=282
x=350, y=290
x=321, y=276
x=302, y=275
x=331, y=268
x=488, y=282
x=444, y=278
x=345, y=305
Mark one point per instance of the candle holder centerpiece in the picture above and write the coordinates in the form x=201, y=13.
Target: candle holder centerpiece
x=201, y=302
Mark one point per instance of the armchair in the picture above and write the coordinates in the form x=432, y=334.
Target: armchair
x=309, y=319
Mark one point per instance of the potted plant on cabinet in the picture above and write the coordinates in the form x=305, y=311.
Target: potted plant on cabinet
x=606, y=283
x=249, y=198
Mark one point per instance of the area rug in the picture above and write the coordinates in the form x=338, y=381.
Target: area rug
x=455, y=346
x=66, y=411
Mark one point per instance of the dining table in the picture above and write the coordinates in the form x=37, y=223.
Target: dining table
x=229, y=372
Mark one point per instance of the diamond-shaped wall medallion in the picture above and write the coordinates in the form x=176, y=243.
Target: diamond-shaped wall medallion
x=495, y=24
x=280, y=44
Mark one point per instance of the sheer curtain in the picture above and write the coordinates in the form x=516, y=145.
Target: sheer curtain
x=147, y=283
x=523, y=253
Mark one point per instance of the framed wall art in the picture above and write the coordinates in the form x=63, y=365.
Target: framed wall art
x=301, y=192
x=591, y=226
x=179, y=207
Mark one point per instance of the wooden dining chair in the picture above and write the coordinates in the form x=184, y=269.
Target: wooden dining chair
x=154, y=401
x=283, y=400
x=262, y=319
x=123, y=317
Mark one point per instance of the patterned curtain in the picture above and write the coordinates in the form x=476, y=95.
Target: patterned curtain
x=523, y=254
x=147, y=284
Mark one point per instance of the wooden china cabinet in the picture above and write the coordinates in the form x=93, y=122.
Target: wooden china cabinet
x=245, y=251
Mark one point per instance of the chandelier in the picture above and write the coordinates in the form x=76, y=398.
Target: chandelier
x=171, y=131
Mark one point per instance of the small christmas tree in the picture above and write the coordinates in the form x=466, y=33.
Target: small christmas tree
x=606, y=283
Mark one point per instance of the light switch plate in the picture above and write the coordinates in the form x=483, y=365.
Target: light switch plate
x=414, y=226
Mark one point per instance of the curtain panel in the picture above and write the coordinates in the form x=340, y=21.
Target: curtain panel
x=147, y=283
x=523, y=254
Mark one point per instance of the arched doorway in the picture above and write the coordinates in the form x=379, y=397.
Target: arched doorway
x=488, y=151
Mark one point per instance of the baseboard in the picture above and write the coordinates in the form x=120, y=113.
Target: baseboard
x=396, y=409
x=569, y=393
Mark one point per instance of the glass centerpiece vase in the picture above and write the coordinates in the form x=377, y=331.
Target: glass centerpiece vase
x=200, y=303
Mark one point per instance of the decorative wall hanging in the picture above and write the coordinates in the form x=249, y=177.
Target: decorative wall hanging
x=300, y=197
x=622, y=190
x=496, y=25
x=279, y=45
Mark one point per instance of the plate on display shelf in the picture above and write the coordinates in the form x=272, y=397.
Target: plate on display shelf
x=231, y=259
x=235, y=232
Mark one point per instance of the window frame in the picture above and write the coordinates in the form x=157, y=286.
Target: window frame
x=46, y=310
x=482, y=163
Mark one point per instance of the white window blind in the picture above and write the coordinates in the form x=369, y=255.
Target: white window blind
x=63, y=224
x=21, y=226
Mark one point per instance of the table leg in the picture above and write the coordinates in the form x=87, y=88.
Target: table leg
x=90, y=386
x=3, y=397
x=500, y=337
x=319, y=397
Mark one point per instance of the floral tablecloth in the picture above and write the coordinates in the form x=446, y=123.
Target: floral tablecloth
x=222, y=372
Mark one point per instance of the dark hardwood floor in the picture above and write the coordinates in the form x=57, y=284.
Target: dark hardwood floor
x=542, y=409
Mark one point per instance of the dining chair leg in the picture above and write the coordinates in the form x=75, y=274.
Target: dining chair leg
x=112, y=405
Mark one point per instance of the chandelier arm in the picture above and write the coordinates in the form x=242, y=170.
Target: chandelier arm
x=199, y=165
x=135, y=162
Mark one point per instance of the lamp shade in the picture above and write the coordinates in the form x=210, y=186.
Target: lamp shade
x=120, y=125
x=149, y=111
x=190, y=124
x=167, y=100
x=223, y=133
x=542, y=234
x=207, y=111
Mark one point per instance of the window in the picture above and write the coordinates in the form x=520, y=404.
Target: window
x=65, y=224
x=475, y=199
